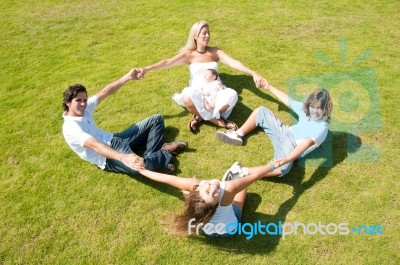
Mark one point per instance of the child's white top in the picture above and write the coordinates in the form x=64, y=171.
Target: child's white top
x=197, y=71
x=223, y=215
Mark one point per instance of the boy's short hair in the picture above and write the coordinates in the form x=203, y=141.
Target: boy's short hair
x=70, y=93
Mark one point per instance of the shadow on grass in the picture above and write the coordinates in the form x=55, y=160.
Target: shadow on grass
x=240, y=82
x=343, y=145
x=239, y=116
x=183, y=113
x=334, y=151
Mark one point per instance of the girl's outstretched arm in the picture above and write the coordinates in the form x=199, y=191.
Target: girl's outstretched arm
x=174, y=181
x=301, y=148
x=282, y=96
x=255, y=173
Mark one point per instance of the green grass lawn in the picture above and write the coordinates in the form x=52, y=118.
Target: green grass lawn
x=58, y=209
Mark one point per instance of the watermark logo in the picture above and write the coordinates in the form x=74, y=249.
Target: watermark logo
x=356, y=103
x=283, y=229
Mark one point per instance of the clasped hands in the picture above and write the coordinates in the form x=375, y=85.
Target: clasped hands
x=133, y=161
x=136, y=73
x=278, y=162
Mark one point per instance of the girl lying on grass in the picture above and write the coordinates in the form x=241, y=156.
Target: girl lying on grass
x=213, y=204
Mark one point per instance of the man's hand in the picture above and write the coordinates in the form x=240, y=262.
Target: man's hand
x=135, y=74
x=114, y=86
x=141, y=73
x=133, y=161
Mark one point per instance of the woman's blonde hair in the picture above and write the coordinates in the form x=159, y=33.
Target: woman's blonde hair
x=194, y=32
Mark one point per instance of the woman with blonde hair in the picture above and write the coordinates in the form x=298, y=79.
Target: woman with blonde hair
x=199, y=57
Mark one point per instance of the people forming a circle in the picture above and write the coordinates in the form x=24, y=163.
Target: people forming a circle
x=213, y=201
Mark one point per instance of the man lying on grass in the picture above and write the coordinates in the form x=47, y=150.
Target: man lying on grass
x=116, y=152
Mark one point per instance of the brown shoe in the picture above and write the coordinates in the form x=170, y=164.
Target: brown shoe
x=175, y=147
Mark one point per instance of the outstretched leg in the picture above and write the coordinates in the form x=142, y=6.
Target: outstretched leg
x=250, y=124
x=235, y=136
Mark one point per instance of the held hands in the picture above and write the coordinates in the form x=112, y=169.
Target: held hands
x=141, y=73
x=275, y=163
x=134, y=74
x=133, y=161
x=279, y=162
x=264, y=84
x=257, y=79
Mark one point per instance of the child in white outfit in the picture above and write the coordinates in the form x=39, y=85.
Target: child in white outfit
x=211, y=88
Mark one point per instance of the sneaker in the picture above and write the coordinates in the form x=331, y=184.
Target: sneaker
x=175, y=147
x=229, y=137
x=234, y=172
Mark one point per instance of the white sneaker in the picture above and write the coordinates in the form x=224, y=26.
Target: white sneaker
x=234, y=172
x=229, y=137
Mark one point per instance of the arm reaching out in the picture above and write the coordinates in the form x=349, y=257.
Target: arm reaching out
x=179, y=59
x=235, y=64
x=282, y=96
x=130, y=160
x=117, y=84
x=301, y=148
x=255, y=173
x=185, y=184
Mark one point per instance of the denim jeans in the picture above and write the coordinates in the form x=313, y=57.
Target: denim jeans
x=149, y=133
